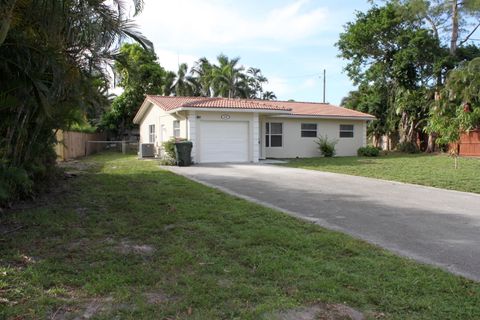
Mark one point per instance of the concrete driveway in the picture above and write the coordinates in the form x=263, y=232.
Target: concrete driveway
x=434, y=226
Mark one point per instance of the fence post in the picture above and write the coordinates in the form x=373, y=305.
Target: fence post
x=124, y=147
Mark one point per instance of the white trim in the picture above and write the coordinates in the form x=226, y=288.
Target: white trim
x=255, y=137
x=228, y=110
x=192, y=133
x=323, y=117
x=142, y=112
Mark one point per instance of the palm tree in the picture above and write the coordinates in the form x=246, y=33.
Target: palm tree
x=269, y=95
x=255, y=82
x=50, y=61
x=202, y=72
x=183, y=84
x=227, y=77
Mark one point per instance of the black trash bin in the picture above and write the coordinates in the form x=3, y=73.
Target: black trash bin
x=183, y=152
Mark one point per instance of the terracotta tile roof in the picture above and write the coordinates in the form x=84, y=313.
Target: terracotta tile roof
x=319, y=109
x=169, y=103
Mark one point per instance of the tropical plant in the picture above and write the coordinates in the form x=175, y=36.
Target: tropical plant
x=184, y=84
x=458, y=109
x=53, y=69
x=139, y=74
x=228, y=78
x=326, y=146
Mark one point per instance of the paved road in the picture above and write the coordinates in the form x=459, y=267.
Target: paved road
x=435, y=226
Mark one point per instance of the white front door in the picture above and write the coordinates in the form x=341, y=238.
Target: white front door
x=224, y=141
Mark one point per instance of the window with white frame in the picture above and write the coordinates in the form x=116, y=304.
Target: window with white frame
x=274, y=134
x=176, y=128
x=346, y=131
x=309, y=130
x=151, y=133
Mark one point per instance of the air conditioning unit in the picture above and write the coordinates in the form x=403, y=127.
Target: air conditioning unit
x=147, y=150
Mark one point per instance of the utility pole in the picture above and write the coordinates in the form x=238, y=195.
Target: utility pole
x=324, y=83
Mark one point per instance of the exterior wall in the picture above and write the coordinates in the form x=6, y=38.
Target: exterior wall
x=294, y=145
x=163, y=126
x=228, y=116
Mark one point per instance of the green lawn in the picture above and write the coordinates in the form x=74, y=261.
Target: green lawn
x=128, y=240
x=429, y=170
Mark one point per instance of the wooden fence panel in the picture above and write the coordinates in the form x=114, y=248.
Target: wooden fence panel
x=469, y=144
x=73, y=145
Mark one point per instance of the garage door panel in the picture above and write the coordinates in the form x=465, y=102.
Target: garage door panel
x=224, y=141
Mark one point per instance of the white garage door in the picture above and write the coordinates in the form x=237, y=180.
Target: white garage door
x=223, y=141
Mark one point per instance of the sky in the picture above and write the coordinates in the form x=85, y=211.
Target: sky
x=291, y=41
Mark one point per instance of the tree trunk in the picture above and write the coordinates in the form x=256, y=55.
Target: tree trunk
x=454, y=38
x=432, y=137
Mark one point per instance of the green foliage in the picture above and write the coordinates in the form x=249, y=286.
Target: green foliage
x=226, y=78
x=326, y=146
x=52, y=76
x=140, y=74
x=14, y=184
x=394, y=60
x=408, y=147
x=86, y=128
x=169, y=148
x=459, y=107
x=368, y=151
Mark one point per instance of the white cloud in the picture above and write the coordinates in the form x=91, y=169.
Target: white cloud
x=310, y=83
x=170, y=59
x=280, y=86
x=194, y=23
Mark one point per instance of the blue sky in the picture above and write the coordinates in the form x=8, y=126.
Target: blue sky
x=291, y=41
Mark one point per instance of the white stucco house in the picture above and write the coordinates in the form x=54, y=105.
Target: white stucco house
x=239, y=130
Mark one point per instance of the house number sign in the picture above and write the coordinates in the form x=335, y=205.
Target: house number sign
x=225, y=116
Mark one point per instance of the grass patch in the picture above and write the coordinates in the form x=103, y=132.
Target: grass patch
x=429, y=170
x=131, y=241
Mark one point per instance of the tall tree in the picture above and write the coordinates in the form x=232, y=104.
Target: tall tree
x=184, y=83
x=51, y=55
x=139, y=74
x=387, y=50
x=202, y=72
x=228, y=77
x=458, y=109
x=453, y=24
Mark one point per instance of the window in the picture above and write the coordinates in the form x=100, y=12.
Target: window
x=176, y=128
x=151, y=133
x=309, y=130
x=274, y=134
x=346, y=131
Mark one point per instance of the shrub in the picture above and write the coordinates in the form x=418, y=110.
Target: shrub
x=368, y=151
x=169, y=148
x=407, y=147
x=14, y=184
x=327, y=147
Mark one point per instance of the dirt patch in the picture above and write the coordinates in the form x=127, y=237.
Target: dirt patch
x=318, y=312
x=127, y=247
x=157, y=297
x=123, y=246
x=225, y=283
x=76, y=166
x=88, y=309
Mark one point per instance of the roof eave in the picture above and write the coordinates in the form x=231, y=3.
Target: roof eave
x=214, y=109
x=142, y=111
x=365, y=118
